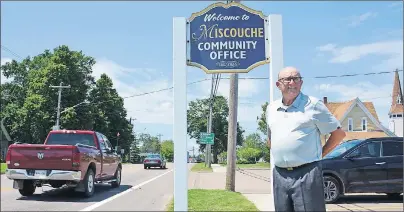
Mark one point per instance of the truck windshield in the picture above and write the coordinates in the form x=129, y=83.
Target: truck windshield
x=70, y=139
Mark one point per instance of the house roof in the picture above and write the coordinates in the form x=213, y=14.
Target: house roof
x=397, y=93
x=338, y=109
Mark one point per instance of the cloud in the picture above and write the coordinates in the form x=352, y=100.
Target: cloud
x=150, y=108
x=356, y=20
x=3, y=79
x=392, y=49
x=397, y=6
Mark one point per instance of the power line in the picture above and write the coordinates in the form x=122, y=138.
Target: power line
x=245, y=78
x=11, y=52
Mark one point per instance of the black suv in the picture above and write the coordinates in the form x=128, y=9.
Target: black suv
x=373, y=165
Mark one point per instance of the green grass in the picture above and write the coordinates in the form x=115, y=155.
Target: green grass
x=200, y=167
x=256, y=165
x=3, y=168
x=216, y=200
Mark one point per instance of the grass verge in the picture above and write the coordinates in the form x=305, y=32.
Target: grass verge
x=200, y=167
x=216, y=200
x=251, y=166
x=3, y=168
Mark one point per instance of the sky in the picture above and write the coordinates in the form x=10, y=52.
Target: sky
x=132, y=43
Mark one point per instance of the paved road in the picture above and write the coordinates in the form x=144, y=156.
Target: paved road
x=368, y=202
x=140, y=190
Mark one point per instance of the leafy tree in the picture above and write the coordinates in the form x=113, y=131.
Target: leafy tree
x=31, y=111
x=197, y=115
x=29, y=104
x=109, y=115
x=262, y=120
x=253, y=148
x=134, y=152
x=262, y=126
x=254, y=140
x=167, y=150
x=249, y=154
x=150, y=144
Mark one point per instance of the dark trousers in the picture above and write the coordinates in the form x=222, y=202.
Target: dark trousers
x=299, y=189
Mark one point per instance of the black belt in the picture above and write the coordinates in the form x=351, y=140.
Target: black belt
x=296, y=167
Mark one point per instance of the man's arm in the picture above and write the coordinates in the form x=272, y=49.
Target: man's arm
x=328, y=124
x=333, y=141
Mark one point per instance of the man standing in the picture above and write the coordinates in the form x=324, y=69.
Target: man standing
x=295, y=124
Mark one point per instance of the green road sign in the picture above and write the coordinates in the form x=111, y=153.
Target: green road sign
x=207, y=138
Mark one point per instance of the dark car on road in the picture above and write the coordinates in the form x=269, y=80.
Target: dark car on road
x=154, y=160
x=373, y=165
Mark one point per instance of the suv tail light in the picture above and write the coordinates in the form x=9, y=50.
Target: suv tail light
x=76, y=157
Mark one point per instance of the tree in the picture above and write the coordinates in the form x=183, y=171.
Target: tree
x=32, y=110
x=167, y=150
x=253, y=148
x=197, y=116
x=29, y=104
x=262, y=120
x=263, y=127
x=249, y=154
x=109, y=115
x=134, y=152
x=150, y=144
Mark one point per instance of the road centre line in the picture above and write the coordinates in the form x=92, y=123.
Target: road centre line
x=98, y=204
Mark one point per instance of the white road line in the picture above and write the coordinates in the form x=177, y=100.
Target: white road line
x=98, y=204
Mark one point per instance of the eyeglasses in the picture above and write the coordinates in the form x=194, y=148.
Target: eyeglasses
x=289, y=79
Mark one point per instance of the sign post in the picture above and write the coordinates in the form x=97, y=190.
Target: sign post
x=274, y=31
x=222, y=38
x=180, y=114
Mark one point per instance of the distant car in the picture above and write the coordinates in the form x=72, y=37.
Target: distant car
x=154, y=160
x=373, y=165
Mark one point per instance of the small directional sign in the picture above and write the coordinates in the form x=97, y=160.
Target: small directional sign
x=207, y=138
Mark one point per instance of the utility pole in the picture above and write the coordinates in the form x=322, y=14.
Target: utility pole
x=60, y=87
x=159, y=135
x=232, y=131
x=208, y=148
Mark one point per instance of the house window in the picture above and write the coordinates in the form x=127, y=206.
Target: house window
x=398, y=99
x=364, y=124
x=350, y=124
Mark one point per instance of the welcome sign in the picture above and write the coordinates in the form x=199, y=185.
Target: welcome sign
x=227, y=38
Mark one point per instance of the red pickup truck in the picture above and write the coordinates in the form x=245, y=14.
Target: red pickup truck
x=75, y=158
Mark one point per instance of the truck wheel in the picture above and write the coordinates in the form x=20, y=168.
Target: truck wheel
x=89, y=183
x=28, y=188
x=118, y=177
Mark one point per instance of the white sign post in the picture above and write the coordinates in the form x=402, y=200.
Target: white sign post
x=276, y=54
x=180, y=114
x=274, y=30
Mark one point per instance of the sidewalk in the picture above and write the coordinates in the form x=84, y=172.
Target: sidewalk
x=251, y=183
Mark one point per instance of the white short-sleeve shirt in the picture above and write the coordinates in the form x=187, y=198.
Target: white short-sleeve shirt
x=295, y=130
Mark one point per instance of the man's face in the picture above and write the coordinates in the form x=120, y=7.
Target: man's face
x=289, y=83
